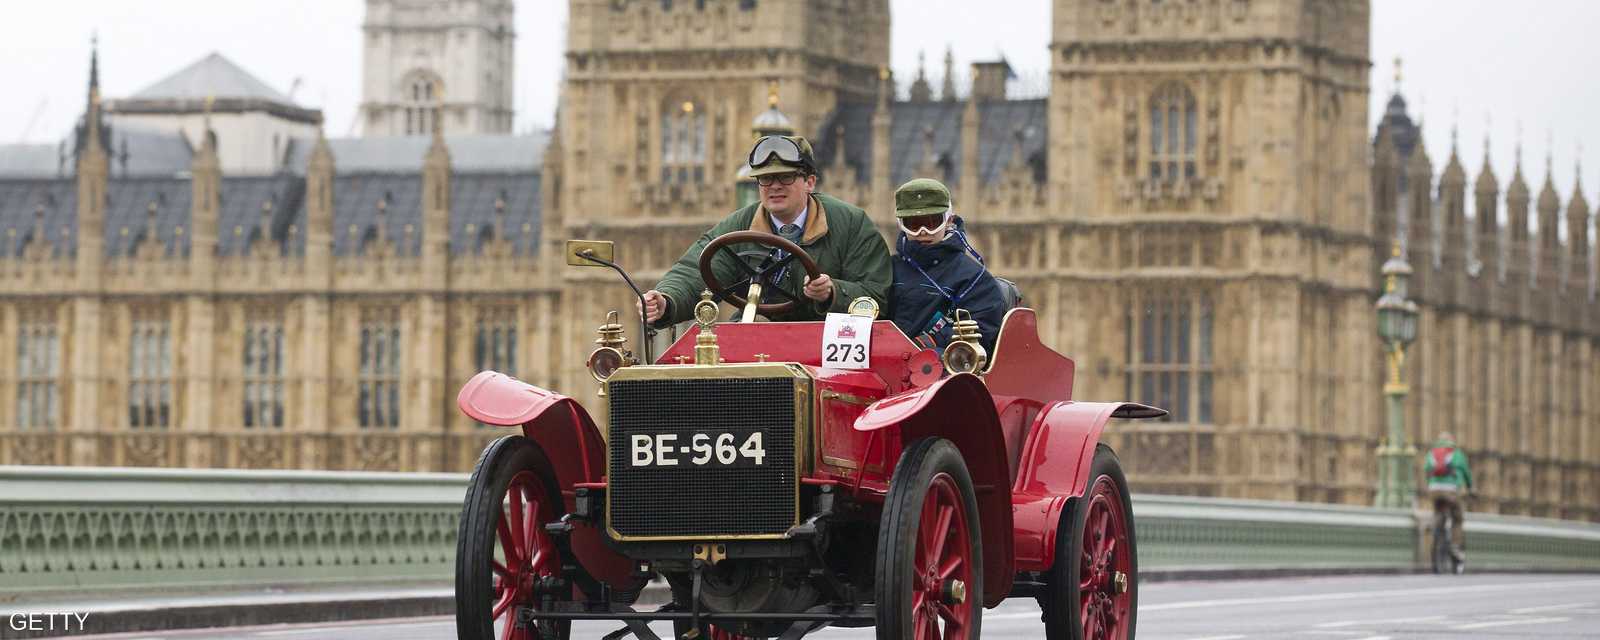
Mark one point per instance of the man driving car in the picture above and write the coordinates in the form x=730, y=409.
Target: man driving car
x=850, y=255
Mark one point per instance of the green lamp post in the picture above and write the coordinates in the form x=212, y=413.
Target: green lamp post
x=1397, y=327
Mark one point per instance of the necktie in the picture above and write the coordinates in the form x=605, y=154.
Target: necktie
x=790, y=232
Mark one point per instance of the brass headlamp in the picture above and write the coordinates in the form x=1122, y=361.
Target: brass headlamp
x=609, y=356
x=706, y=350
x=965, y=353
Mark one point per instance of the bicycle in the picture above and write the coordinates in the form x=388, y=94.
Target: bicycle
x=1445, y=558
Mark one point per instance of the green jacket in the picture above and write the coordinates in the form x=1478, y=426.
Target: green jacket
x=842, y=240
x=1455, y=473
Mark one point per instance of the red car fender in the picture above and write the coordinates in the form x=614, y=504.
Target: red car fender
x=572, y=442
x=1055, y=466
x=959, y=409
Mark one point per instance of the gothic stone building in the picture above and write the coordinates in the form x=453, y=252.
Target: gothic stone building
x=1195, y=207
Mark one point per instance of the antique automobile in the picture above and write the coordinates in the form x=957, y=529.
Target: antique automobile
x=776, y=496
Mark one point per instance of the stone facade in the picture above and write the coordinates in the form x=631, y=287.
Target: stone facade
x=1196, y=209
x=453, y=55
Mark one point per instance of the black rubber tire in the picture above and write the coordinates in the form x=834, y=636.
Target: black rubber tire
x=897, y=535
x=1061, y=614
x=475, y=542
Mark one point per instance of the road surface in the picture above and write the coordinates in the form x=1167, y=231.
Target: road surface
x=1333, y=608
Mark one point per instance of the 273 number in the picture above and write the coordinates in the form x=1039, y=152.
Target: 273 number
x=854, y=353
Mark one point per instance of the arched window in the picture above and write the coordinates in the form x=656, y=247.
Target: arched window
x=1169, y=353
x=150, y=371
x=421, y=93
x=683, y=142
x=1172, y=133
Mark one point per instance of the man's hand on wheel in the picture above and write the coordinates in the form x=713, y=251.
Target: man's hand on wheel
x=655, y=305
x=819, y=288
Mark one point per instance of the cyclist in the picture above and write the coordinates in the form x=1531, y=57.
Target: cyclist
x=1449, y=479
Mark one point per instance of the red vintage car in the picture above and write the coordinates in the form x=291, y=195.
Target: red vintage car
x=777, y=496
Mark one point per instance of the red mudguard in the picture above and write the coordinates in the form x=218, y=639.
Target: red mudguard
x=1055, y=466
x=959, y=409
x=569, y=438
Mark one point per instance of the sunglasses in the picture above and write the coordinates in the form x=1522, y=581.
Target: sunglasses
x=925, y=224
x=784, y=179
x=769, y=147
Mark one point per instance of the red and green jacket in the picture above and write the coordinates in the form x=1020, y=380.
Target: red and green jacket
x=1445, y=467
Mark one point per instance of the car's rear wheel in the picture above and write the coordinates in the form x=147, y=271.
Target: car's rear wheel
x=1094, y=587
x=504, y=557
x=929, y=561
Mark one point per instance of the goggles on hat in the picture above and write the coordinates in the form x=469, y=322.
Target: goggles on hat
x=925, y=224
x=769, y=147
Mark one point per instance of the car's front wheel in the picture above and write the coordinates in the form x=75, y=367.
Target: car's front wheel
x=504, y=557
x=1093, y=589
x=929, y=561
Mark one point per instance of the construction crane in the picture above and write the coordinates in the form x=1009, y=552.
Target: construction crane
x=33, y=119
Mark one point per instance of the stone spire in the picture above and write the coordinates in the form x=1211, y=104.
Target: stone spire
x=1453, y=205
x=92, y=178
x=947, y=92
x=882, y=189
x=920, y=92
x=319, y=207
x=1578, y=233
x=1417, y=216
x=436, y=206
x=970, y=182
x=1519, y=255
x=206, y=198
x=1486, y=198
x=1548, y=276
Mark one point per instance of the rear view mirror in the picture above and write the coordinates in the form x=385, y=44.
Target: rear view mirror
x=579, y=253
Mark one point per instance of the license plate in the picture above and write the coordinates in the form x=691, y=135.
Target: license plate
x=696, y=450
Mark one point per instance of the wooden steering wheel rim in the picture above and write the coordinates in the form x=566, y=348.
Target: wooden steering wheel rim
x=764, y=239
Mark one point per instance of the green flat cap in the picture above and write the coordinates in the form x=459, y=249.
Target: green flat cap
x=921, y=196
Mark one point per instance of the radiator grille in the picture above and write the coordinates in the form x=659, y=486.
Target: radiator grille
x=714, y=500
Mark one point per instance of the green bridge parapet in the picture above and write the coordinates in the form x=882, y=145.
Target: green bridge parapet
x=77, y=528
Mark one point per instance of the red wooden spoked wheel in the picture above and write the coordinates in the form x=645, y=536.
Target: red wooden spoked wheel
x=1103, y=564
x=1093, y=588
x=504, y=557
x=929, y=563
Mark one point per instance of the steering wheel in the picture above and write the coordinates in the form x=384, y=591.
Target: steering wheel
x=759, y=274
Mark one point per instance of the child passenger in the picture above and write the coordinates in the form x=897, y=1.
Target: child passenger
x=936, y=271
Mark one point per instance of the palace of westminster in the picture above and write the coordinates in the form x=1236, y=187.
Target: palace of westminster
x=198, y=277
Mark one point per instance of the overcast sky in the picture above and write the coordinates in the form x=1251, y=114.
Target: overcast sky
x=1480, y=65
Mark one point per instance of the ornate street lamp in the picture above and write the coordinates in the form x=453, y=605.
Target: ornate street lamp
x=1397, y=327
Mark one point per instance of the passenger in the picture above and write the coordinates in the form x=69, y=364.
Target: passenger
x=937, y=271
x=839, y=236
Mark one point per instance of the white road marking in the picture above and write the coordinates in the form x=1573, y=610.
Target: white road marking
x=1553, y=607
x=1352, y=623
x=1507, y=623
x=1374, y=638
x=290, y=632
x=1356, y=595
x=1218, y=638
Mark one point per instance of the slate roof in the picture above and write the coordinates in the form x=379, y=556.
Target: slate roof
x=404, y=154
x=213, y=76
x=141, y=152
x=358, y=215
x=472, y=202
x=31, y=161
x=52, y=203
x=139, y=207
x=999, y=122
x=246, y=200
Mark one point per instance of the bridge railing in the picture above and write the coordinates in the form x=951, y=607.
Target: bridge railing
x=77, y=528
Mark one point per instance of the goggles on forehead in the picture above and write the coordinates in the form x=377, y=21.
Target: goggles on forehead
x=769, y=147
x=926, y=224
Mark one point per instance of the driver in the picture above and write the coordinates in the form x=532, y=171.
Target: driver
x=852, y=256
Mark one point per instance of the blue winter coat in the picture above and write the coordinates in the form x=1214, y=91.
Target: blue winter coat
x=926, y=314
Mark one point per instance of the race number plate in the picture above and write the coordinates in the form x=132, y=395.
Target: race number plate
x=846, y=341
x=696, y=450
